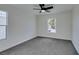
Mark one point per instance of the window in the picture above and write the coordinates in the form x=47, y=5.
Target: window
x=52, y=25
x=3, y=24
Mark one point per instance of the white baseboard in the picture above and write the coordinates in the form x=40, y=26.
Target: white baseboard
x=55, y=37
x=27, y=39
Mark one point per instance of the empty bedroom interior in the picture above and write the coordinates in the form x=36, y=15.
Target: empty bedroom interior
x=29, y=32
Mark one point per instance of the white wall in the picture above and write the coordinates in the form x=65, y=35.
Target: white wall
x=63, y=25
x=75, y=29
x=21, y=26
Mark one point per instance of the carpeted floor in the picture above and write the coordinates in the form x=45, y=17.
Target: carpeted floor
x=42, y=46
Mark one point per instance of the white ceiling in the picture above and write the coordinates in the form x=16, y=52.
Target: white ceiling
x=58, y=8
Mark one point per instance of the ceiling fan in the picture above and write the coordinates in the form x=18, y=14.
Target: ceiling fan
x=44, y=8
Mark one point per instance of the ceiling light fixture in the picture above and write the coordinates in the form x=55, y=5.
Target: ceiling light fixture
x=42, y=10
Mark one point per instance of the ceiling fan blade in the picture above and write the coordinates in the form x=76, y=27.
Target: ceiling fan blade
x=36, y=9
x=49, y=7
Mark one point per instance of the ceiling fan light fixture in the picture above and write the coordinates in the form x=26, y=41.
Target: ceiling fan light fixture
x=43, y=11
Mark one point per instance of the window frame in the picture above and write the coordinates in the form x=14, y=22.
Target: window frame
x=6, y=26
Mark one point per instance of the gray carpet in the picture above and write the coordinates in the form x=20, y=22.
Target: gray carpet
x=42, y=46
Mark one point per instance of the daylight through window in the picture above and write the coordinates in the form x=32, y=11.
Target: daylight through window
x=52, y=25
